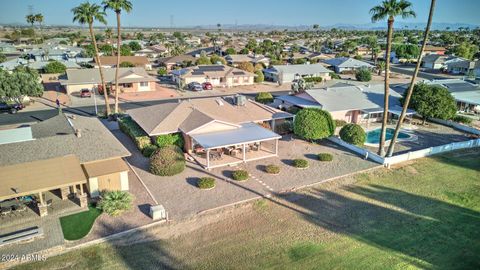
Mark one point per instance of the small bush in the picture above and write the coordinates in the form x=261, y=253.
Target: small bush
x=264, y=97
x=206, y=183
x=334, y=76
x=300, y=163
x=135, y=132
x=272, y=169
x=325, y=157
x=462, y=119
x=340, y=123
x=240, y=175
x=363, y=75
x=115, y=203
x=148, y=150
x=313, y=79
x=167, y=161
x=170, y=139
x=260, y=77
x=353, y=134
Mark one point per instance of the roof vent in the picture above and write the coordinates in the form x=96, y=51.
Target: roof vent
x=78, y=133
x=240, y=100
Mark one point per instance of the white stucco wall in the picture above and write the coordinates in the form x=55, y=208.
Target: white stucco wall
x=124, y=180
x=93, y=187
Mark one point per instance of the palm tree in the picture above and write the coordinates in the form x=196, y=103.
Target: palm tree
x=380, y=67
x=30, y=19
x=389, y=9
x=109, y=34
x=414, y=77
x=87, y=13
x=39, y=20
x=117, y=6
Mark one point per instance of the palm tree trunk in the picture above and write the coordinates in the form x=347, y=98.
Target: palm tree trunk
x=391, y=148
x=118, y=62
x=381, y=150
x=105, y=94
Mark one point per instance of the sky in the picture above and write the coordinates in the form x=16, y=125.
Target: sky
x=183, y=13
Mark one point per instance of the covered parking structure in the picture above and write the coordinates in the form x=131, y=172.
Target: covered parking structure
x=229, y=147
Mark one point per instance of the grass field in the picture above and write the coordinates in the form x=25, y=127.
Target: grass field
x=78, y=225
x=422, y=215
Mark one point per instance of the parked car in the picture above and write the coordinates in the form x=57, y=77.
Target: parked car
x=85, y=93
x=207, y=86
x=10, y=108
x=195, y=86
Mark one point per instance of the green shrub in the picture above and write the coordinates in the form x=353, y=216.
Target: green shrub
x=135, y=132
x=353, y=134
x=162, y=71
x=170, y=139
x=148, y=150
x=54, y=67
x=462, y=119
x=300, y=163
x=206, y=182
x=293, y=109
x=240, y=175
x=340, y=123
x=264, y=97
x=115, y=203
x=363, y=75
x=260, y=77
x=272, y=169
x=325, y=157
x=334, y=76
x=313, y=79
x=167, y=161
x=313, y=124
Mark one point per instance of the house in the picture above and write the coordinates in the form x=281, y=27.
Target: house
x=235, y=59
x=63, y=154
x=111, y=61
x=217, y=75
x=173, y=61
x=460, y=66
x=152, y=51
x=465, y=93
x=217, y=131
x=429, y=49
x=345, y=64
x=288, y=73
x=434, y=61
x=351, y=103
x=130, y=79
x=476, y=70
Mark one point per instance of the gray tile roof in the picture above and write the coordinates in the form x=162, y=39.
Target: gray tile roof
x=92, y=75
x=301, y=69
x=345, y=62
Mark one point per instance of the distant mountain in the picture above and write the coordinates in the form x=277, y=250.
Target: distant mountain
x=403, y=25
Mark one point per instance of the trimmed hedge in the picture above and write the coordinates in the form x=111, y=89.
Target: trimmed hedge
x=300, y=163
x=170, y=139
x=264, y=97
x=462, y=119
x=206, y=183
x=167, y=161
x=340, y=123
x=272, y=169
x=149, y=150
x=240, y=175
x=334, y=75
x=135, y=132
x=313, y=79
x=353, y=134
x=325, y=157
x=313, y=124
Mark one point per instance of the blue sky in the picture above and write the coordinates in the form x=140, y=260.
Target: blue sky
x=275, y=12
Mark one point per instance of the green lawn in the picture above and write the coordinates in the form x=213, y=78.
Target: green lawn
x=424, y=215
x=76, y=226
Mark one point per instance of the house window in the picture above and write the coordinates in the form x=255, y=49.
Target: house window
x=127, y=85
x=245, y=79
x=143, y=84
x=235, y=79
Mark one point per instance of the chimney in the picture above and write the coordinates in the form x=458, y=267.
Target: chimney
x=78, y=133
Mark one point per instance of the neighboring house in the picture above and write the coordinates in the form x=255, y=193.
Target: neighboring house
x=434, y=61
x=351, y=103
x=111, y=61
x=288, y=73
x=217, y=75
x=69, y=155
x=7, y=48
x=235, y=59
x=130, y=79
x=13, y=63
x=176, y=61
x=41, y=64
x=217, y=131
x=460, y=66
x=363, y=50
x=345, y=64
x=435, y=50
x=198, y=52
x=152, y=51
x=465, y=93
x=476, y=70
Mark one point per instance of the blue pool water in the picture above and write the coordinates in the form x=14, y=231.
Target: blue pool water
x=373, y=136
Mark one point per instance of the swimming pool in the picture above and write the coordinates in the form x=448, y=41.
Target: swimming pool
x=373, y=136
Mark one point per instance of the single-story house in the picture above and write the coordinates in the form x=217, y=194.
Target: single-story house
x=70, y=155
x=288, y=73
x=434, y=61
x=130, y=79
x=465, y=93
x=343, y=64
x=217, y=75
x=460, y=66
x=235, y=59
x=173, y=61
x=217, y=131
x=429, y=49
x=111, y=61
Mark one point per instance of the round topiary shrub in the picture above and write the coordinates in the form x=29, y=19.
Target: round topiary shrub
x=300, y=163
x=313, y=124
x=325, y=157
x=264, y=97
x=240, y=175
x=206, y=183
x=167, y=161
x=148, y=150
x=363, y=75
x=353, y=134
x=272, y=169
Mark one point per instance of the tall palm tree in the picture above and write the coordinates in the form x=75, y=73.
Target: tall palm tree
x=109, y=34
x=87, y=13
x=117, y=6
x=389, y=9
x=414, y=77
x=31, y=20
x=39, y=20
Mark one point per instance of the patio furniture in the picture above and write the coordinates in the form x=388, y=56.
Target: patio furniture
x=5, y=210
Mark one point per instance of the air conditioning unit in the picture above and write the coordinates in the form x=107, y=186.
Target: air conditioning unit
x=240, y=100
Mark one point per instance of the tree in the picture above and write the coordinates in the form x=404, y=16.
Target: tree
x=431, y=101
x=260, y=77
x=114, y=203
x=353, y=134
x=135, y=46
x=215, y=59
x=55, y=67
x=247, y=66
x=126, y=64
x=87, y=13
x=3, y=58
x=313, y=124
x=363, y=75
x=465, y=50
x=380, y=67
x=125, y=50
x=31, y=20
x=203, y=60
x=230, y=51
x=20, y=82
x=162, y=71
x=117, y=6
x=264, y=97
x=408, y=95
x=389, y=9
x=39, y=20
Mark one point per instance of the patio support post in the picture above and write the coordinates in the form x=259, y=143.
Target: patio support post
x=276, y=147
x=244, y=153
x=74, y=189
x=64, y=191
x=368, y=120
x=42, y=208
x=82, y=197
x=208, y=158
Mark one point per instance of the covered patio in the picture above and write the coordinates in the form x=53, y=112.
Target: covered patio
x=229, y=147
x=378, y=112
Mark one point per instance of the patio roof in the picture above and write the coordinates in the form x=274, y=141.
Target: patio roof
x=397, y=110
x=247, y=133
x=39, y=176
